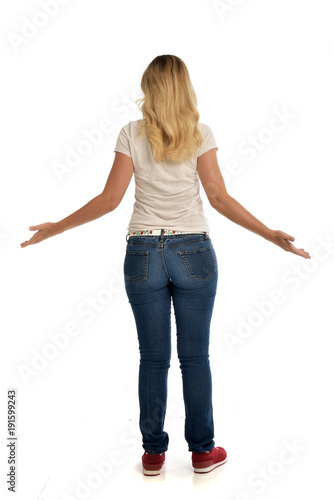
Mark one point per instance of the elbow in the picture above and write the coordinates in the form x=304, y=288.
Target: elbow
x=110, y=203
x=220, y=203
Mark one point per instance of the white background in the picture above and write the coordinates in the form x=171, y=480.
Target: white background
x=248, y=61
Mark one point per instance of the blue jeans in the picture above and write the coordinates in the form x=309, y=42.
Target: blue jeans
x=184, y=268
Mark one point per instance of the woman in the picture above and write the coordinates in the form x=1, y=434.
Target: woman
x=169, y=254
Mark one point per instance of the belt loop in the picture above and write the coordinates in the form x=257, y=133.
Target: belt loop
x=127, y=237
x=161, y=233
x=205, y=235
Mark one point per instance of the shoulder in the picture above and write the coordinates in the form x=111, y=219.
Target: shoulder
x=204, y=128
x=207, y=133
x=131, y=128
x=209, y=141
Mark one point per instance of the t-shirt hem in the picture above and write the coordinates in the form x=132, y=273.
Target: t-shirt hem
x=121, y=151
x=209, y=149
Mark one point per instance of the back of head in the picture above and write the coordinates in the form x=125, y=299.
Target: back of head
x=169, y=107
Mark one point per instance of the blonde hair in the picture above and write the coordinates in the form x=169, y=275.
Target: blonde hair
x=169, y=108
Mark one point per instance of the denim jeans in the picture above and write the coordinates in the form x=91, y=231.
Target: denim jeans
x=182, y=268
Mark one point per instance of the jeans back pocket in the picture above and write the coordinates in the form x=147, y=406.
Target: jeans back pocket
x=199, y=263
x=136, y=265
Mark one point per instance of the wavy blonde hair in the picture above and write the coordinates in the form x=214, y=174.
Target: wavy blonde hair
x=169, y=107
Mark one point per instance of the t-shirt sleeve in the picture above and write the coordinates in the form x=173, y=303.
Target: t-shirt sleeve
x=209, y=141
x=123, y=143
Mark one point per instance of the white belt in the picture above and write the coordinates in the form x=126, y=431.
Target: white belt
x=157, y=232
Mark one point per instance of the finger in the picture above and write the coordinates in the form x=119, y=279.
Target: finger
x=292, y=248
x=300, y=251
x=26, y=243
x=304, y=254
x=33, y=239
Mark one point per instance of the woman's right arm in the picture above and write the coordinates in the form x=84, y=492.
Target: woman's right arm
x=215, y=189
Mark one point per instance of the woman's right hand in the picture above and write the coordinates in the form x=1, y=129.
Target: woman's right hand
x=283, y=240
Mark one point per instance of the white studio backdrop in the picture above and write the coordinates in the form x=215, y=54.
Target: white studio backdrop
x=263, y=74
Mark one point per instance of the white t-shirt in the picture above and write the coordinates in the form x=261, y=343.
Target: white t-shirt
x=167, y=194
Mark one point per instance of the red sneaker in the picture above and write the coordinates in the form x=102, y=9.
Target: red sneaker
x=206, y=462
x=152, y=464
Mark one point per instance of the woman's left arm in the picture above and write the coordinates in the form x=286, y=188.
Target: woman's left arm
x=115, y=188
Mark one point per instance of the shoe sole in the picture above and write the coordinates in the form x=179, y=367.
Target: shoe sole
x=204, y=470
x=152, y=472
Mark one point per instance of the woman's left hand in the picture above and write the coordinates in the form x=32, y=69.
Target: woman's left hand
x=44, y=231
